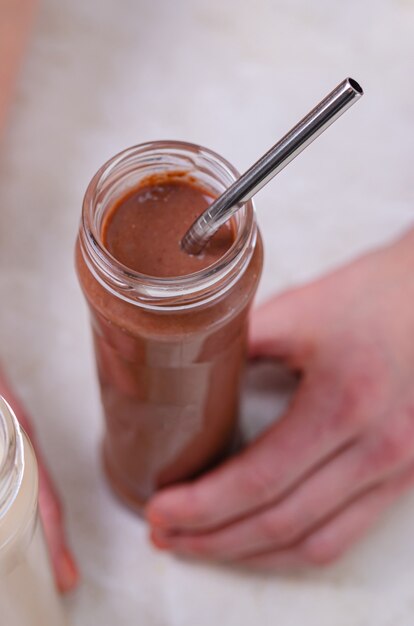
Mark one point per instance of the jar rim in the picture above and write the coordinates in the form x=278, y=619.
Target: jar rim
x=171, y=291
x=11, y=457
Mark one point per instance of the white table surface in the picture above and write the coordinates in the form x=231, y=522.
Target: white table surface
x=234, y=76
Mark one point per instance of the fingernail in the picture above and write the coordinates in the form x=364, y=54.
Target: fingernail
x=67, y=572
x=157, y=519
x=160, y=540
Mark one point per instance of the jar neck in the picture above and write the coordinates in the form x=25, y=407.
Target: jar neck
x=123, y=173
x=11, y=457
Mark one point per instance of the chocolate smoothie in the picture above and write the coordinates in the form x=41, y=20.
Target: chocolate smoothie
x=169, y=376
x=144, y=228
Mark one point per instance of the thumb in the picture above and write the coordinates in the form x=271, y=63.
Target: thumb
x=278, y=328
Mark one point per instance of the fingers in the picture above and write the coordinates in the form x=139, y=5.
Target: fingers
x=277, y=328
x=328, y=490
x=64, y=566
x=332, y=540
x=309, y=433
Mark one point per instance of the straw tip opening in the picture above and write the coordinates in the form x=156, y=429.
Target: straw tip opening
x=356, y=86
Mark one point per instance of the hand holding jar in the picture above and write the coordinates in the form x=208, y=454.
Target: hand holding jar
x=308, y=488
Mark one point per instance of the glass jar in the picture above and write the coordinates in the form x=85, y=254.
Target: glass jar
x=169, y=351
x=28, y=596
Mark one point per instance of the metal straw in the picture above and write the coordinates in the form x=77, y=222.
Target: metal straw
x=271, y=163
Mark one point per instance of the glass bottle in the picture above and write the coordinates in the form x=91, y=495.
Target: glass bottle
x=28, y=596
x=169, y=351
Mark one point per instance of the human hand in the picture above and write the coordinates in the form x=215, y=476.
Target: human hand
x=16, y=19
x=64, y=567
x=315, y=481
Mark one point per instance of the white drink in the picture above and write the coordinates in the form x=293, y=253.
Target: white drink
x=28, y=596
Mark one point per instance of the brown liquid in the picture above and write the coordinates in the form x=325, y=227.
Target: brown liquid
x=144, y=229
x=169, y=379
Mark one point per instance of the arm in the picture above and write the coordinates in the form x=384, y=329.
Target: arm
x=16, y=17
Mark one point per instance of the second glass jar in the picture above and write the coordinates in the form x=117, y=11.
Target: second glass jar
x=28, y=596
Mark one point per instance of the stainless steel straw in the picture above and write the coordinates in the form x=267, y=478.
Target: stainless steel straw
x=271, y=163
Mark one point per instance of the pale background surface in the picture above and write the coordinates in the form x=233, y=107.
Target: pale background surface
x=233, y=76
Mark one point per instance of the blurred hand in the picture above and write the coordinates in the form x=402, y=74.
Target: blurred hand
x=309, y=487
x=66, y=574
x=16, y=18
